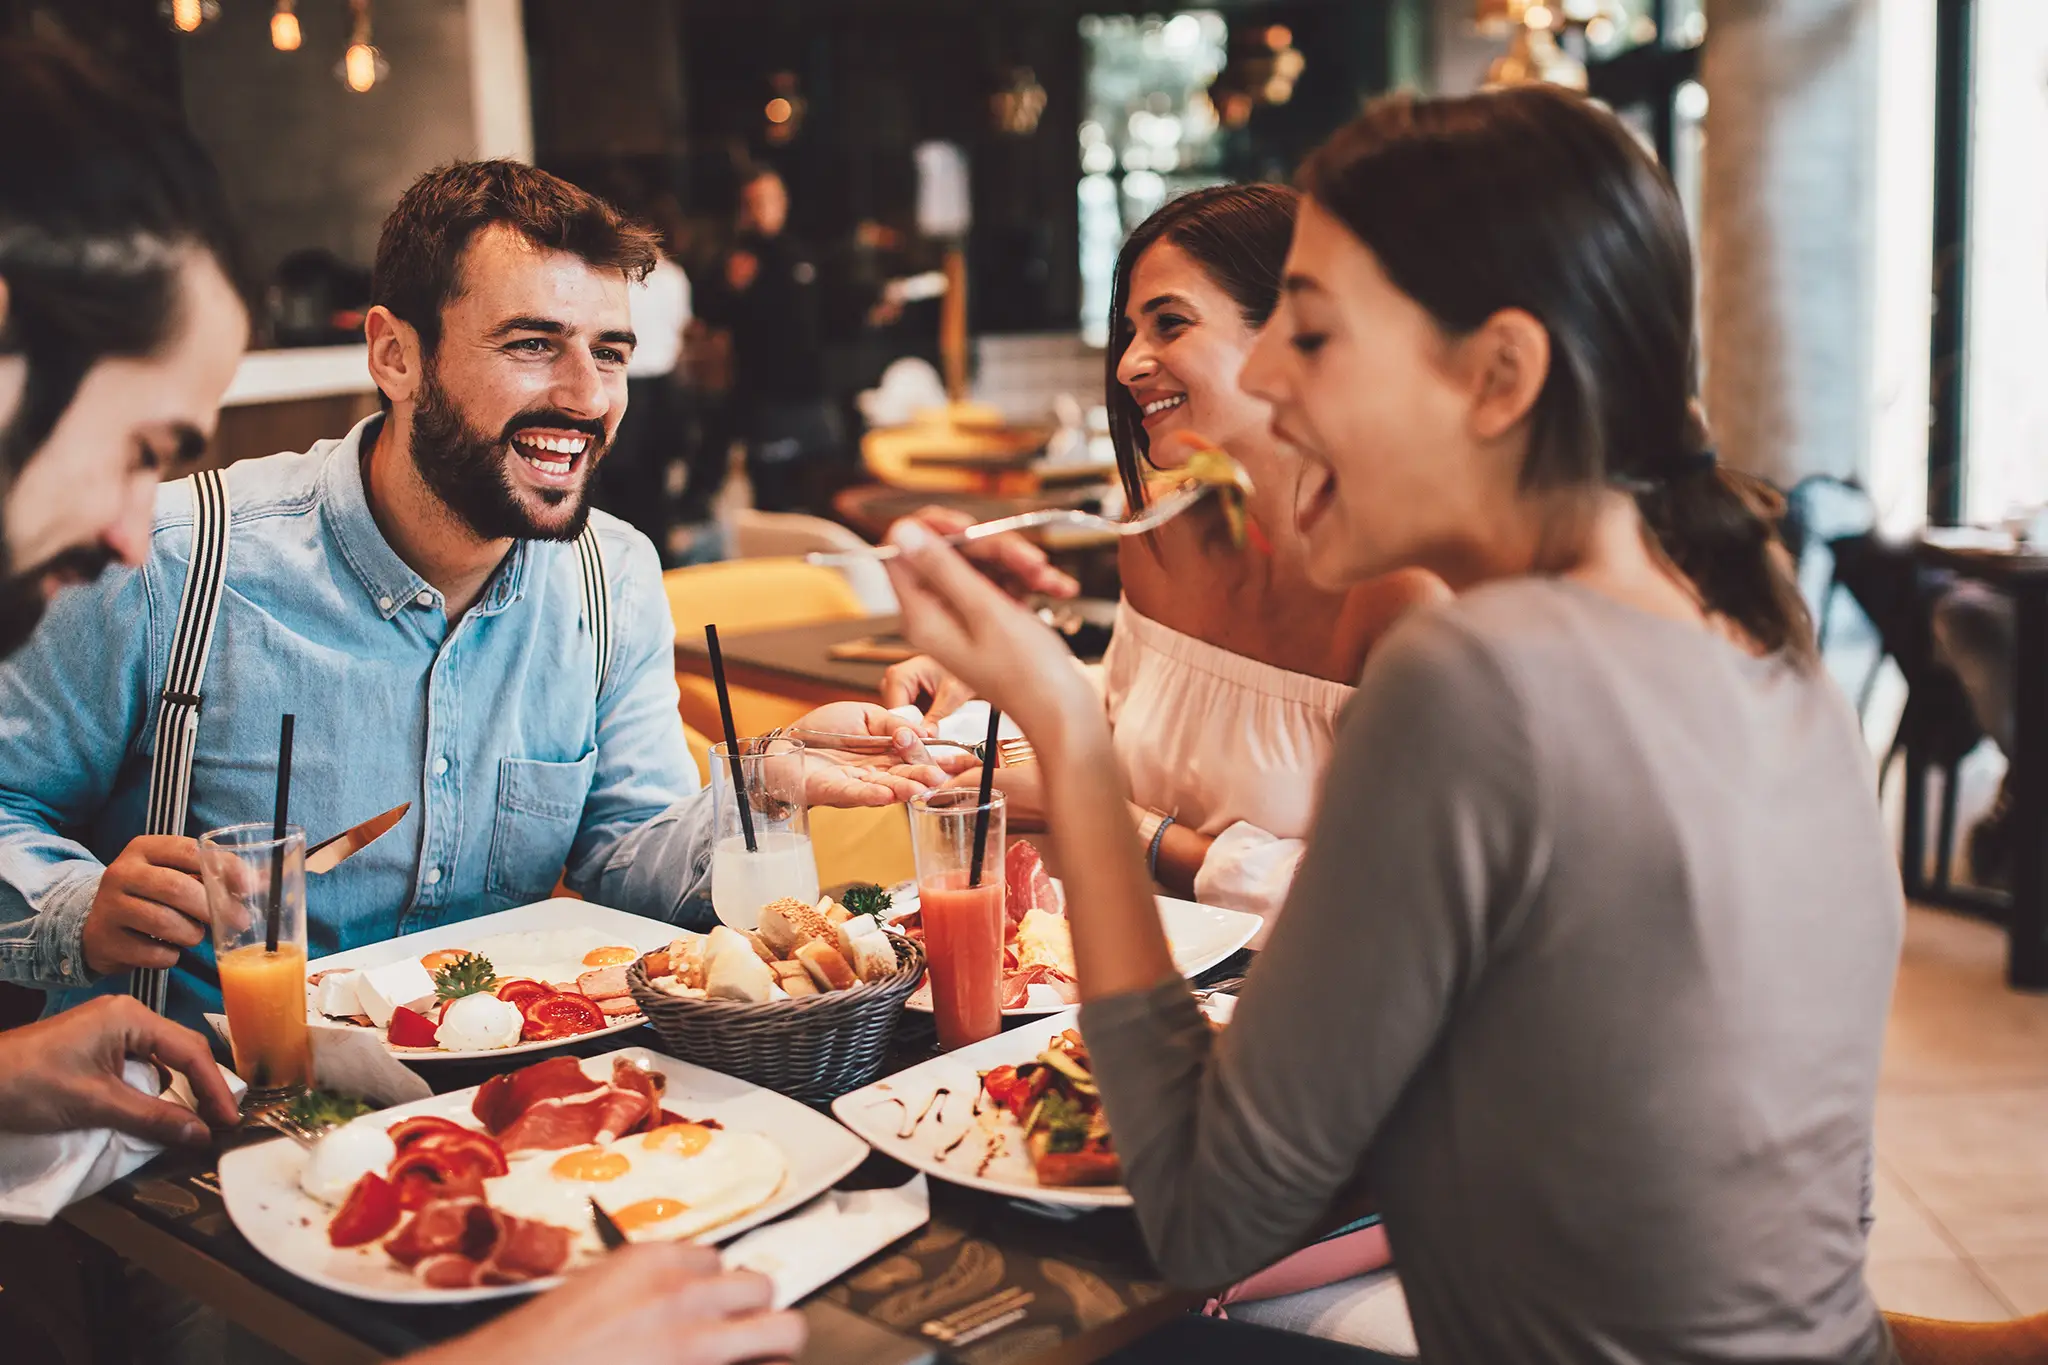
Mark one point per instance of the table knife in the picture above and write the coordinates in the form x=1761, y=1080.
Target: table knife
x=329, y=854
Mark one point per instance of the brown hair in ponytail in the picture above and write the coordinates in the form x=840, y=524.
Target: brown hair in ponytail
x=1533, y=198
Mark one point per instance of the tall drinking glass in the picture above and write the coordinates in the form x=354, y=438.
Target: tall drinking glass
x=780, y=864
x=963, y=920
x=245, y=870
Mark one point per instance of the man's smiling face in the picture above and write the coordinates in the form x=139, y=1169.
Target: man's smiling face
x=523, y=393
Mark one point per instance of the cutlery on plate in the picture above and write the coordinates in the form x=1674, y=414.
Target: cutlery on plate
x=1066, y=518
x=608, y=1232
x=279, y=1118
x=329, y=854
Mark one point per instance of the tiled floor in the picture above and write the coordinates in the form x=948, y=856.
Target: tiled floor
x=1962, y=1132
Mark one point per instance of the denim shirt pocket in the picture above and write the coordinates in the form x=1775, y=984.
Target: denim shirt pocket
x=540, y=807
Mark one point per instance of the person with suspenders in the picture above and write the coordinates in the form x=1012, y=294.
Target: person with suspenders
x=435, y=601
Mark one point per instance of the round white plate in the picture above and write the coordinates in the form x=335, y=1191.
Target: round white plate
x=260, y=1183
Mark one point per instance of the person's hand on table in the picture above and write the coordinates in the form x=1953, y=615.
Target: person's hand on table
x=989, y=641
x=1011, y=560
x=923, y=682
x=902, y=769
x=149, y=905
x=657, y=1303
x=1023, y=790
x=64, y=1075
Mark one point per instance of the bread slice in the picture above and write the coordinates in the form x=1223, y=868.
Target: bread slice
x=866, y=947
x=793, y=979
x=732, y=970
x=828, y=968
x=787, y=923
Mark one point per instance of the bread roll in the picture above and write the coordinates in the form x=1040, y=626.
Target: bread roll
x=761, y=949
x=867, y=948
x=826, y=965
x=787, y=923
x=835, y=914
x=686, y=960
x=793, y=979
x=732, y=970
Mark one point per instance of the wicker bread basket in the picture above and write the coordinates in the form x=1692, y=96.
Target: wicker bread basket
x=814, y=1048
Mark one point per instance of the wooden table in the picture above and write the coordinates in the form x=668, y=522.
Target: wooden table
x=1093, y=1287
x=2024, y=578
x=795, y=661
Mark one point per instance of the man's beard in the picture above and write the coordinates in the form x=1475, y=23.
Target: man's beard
x=468, y=470
x=21, y=594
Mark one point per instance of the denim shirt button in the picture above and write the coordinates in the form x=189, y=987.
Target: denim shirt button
x=425, y=599
x=383, y=604
x=64, y=966
x=433, y=876
x=440, y=766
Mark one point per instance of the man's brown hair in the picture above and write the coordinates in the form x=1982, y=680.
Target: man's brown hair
x=419, y=253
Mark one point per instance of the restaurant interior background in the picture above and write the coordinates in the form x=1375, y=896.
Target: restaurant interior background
x=1864, y=177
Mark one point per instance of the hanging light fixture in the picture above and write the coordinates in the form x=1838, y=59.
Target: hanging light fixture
x=362, y=66
x=284, y=27
x=189, y=16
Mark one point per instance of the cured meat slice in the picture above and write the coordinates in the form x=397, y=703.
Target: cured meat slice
x=501, y=1100
x=448, y=1271
x=463, y=1227
x=1028, y=884
x=606, y=983
x=526, y=1250
x=578, y=1120
x=619, y=1006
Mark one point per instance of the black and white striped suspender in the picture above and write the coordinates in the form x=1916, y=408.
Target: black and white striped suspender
x=597, y=600
x=177, y=717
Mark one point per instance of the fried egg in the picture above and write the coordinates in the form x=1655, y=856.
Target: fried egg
x=556, y=956
x=677, y=1181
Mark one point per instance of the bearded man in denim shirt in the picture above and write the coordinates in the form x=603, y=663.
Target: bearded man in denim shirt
x=412, y=592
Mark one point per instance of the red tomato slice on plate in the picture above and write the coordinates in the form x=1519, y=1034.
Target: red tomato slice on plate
x=561, y=1015
x=370, y=1211
x=519, y=990
x=406, y=1132
x=410, y=1029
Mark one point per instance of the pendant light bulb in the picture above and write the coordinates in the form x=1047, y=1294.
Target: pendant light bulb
x=284, y=28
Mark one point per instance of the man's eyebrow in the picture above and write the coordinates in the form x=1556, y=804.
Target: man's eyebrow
x=619, y=338
x=529, y=324
x=191, y=444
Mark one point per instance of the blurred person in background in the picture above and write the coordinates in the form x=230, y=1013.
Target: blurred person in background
x=767, y=295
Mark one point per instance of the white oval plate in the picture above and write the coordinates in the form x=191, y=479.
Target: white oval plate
x=260, y=1183
x=633, y=931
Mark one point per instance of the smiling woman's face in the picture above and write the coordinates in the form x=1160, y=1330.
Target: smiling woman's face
x=1188, y=344
x=1374, y=403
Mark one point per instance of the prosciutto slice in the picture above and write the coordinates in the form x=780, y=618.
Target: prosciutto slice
x=460, y=1243
x=578, y=1120
x=458, y=1227
x=502, y=1100
x=1029, y=885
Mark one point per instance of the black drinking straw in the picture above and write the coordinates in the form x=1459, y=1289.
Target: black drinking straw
x=732, y=737
x=988, y=783
x=284, y=797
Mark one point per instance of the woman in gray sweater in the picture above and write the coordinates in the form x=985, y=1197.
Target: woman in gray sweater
x=1586, y=969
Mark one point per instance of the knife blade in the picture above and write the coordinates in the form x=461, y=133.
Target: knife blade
x=329, y=854
x=608, y=1232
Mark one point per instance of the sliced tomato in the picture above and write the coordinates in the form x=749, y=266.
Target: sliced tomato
x=561, y=1015
x=519, y=990
x=370, y=1211
x=406, y=1132
x=424, y=1175
x=409, y=1028
x=1000, y=1082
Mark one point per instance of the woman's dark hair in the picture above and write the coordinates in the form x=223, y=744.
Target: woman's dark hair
x=101, y=196
x=419, y=251
x=1238, y=235
x=1535, y=199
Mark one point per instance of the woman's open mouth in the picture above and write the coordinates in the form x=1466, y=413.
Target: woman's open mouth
x=552, y=454
x=1314, y=495
x=1159, y=407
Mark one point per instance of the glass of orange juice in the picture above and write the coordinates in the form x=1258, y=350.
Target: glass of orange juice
x=964, y=916
x=247, y=869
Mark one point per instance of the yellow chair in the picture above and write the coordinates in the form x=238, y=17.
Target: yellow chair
x=865, y=845
x=751, y=594
x=1930, y=1341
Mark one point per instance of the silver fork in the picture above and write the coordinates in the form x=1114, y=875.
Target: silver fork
x=278, y=1118
x=1067, y=518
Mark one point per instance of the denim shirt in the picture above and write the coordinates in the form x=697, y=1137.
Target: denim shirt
x=490, y=725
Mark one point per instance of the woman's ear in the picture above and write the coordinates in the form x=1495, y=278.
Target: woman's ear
x=1508, y=359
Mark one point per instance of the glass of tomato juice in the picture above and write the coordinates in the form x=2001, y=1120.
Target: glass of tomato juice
x=963, y=917
x=245, y=870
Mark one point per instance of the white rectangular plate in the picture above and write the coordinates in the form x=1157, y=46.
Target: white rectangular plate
x=633, y=931
x=1201, y=936
x=260, y=1183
